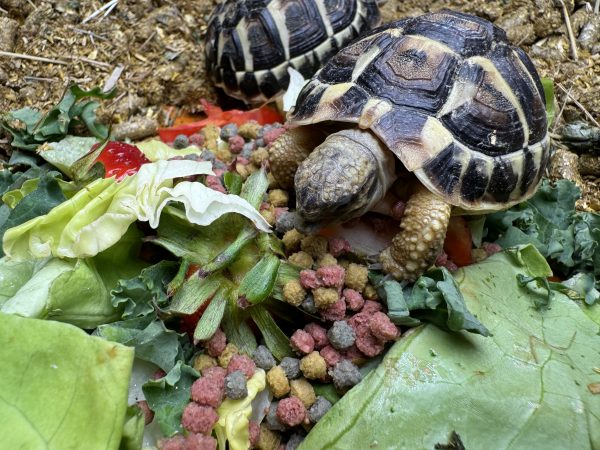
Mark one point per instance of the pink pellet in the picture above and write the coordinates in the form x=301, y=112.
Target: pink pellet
x=354, y=299
x=382, y=327
x=218, y=172
x=216, y=374
x=272, y=134
x=368, y=344
x=442, y=259
x=236, y=144
x=334, y=312
x=371, y=307
x=216, y=344
x=208, y=391
x=331, y=276
x=215, y=184
x=365, y=341
x=241, y=160
x=309, y=280
x=491, y=248
x=195, y=441
x=197, y=139
x=280, y=210
x=318, y=333
x=177, y=442
x=339, y=246
x=330, y=355
x=158, y=374
x=148, y=413
x=243, y=363
x=354, y=355
x=254, y=431
x=291, y=411
x=198, y=418
x=302, y=342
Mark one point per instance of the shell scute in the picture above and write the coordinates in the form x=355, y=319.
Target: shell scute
x=465, y=34
x=411, y=71
x=488, y=121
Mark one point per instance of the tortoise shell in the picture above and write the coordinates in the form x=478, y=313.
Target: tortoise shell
x=251, y=43
x=447, y=93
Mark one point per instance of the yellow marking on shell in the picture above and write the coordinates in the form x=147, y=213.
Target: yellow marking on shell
x=434, y=138
x=373, y=110
x=502, y=85
x=461, y=93
x=242, y=30
x=324, y=18
x=277, y=10
x=364, y=60
x=325, y=109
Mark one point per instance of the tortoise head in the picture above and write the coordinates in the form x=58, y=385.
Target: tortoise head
x=343, y=177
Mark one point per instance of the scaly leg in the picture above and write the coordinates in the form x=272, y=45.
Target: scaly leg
x=421, y=238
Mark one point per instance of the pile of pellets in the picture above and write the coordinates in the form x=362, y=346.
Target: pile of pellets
x=350, y=325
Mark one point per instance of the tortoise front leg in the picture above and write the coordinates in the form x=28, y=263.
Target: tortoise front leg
x=421, y=238
x=289, y=150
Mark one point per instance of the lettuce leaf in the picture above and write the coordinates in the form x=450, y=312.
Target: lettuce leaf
x=156, y=150
x=527, y=386
x=75, y=290
x=60, y=387
x=98, y=216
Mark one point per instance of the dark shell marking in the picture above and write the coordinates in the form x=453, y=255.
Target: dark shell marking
x=446, y=92
x=251, y=43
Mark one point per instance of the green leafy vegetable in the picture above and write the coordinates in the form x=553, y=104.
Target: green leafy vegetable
x=74, y=291
x=98, y=216
x=153, y=342
x=434, y=298
x=29, y=128
x=65, y=153
x=139, y=295
x=43, y=195
x=55, y=381
x=567, y=238
x=168, y=396
x=526, y=386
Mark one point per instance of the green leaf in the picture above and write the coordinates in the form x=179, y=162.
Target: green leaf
x=211, y=317
x=233, y=182
x=153, y=342
x=60, y=386
x=36, y=203
x=275, y=339
x=169, y=395
x=548, y=86
x=140, y=294
x=133, y=429
x=29, y=128
x=515, y=389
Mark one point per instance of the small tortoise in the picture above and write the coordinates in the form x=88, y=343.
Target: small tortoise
x=251, y=43
x=447, y=95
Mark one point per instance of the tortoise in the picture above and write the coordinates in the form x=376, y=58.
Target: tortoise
x=250, y=44
x=444, y=94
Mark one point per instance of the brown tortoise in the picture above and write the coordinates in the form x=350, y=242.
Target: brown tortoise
x=445, y=94
x=251, y=43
